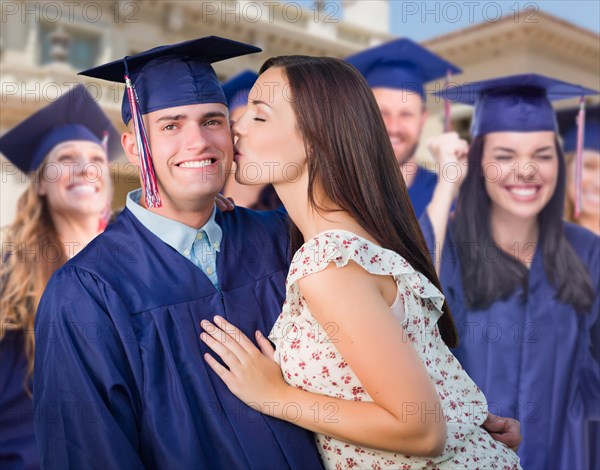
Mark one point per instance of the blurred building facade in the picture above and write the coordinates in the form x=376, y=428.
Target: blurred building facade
x=44, y=44
x=528, y=43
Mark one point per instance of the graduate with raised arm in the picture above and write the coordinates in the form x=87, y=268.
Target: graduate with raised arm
x=397, y=73
x=523, y=284
x=117, y=378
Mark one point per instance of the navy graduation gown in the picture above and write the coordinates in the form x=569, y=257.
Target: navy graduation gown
x=18, y=449
x=421, y=190
x=593, y=429
x=120, y=377
x=530, y=355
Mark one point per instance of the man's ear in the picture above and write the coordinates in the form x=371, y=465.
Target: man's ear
x=129, y=143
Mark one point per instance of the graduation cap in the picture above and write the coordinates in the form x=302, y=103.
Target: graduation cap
x=404, y=65
x=238, y=88
x=166, y=77
x=521, y=103
x=401, y=64
x=73, y=116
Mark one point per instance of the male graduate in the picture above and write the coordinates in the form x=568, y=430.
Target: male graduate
x=397, y=72
x=120, y=380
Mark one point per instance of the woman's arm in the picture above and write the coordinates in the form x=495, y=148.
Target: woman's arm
x=406, y=415
x=450, y=153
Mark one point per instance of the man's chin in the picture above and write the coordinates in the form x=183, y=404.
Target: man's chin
x=199, y=194
x=404, y=156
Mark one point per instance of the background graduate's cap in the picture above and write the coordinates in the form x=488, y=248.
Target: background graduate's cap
x=166, y=77
x=73, y=116
x=591, y=137
x=576, y=140
x=401, y=64
x=521, y=103
x=237, y=89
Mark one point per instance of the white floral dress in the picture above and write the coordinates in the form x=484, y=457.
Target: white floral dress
x=310, y=361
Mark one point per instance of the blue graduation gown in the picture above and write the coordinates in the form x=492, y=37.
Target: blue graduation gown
x=18, y=449
x=593, y=430
x=421, y=190
x=120, y=379
x=530, y=355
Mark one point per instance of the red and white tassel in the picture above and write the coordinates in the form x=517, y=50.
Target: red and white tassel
x=579, y=157
x=146, y=167
x=107, y=211
x=104, y=143
x=105, y=216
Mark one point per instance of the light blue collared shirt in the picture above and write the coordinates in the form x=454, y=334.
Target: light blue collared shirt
x=200, y=246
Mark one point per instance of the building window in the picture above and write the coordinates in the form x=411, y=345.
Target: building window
x=82, y=50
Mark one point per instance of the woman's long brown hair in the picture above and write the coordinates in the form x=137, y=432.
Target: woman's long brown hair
x=351, y=159
x=31, y=252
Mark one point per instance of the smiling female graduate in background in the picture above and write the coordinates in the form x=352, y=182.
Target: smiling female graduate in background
x=523, y=285
x=587, y=213
x=65, y=205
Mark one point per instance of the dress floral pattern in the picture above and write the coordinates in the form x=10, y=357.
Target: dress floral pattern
x=310, y=361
